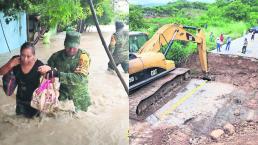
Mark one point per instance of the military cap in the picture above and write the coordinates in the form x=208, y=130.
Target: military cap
x=119, y=25
x=72, y=39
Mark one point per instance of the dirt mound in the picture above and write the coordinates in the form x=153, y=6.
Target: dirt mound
x=240, y=108
x=237, y=70
x=158, y=135
x=242, y=73
x=246, y=134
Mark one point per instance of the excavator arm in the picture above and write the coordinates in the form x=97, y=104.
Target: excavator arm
x=150, y=64
x=166, y=35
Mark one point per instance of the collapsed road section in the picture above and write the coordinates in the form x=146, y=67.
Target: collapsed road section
x=224, y=110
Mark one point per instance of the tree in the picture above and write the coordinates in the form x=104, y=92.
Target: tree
x=136, y=17
x=250, y=2
x=237, y=10
x=105, y=12
x=61, y=12
x=53, y=12
x=222, y=3
x=11, y=8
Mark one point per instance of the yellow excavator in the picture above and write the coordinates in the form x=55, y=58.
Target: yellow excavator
x=152, y=77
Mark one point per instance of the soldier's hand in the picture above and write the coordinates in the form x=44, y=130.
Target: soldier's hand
x=52, y=73
x=44, y=69
x=113, y=41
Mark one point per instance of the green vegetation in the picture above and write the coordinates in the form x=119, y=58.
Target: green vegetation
x=61, y=12
x=232, y=18
x=180, y=51
x=64, y=13
x=136, y=17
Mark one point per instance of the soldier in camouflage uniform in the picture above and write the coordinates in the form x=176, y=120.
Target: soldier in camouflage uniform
x=34, y=25
x=119, y=46
x=71, y=66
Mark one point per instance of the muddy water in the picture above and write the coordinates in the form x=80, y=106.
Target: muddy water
x=105, y=122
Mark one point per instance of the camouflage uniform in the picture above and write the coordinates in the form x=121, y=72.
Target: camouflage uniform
x=119, y=51
x=34, y=26
x=73, y=74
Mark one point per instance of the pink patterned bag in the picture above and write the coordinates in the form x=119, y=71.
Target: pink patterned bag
x=45, y=97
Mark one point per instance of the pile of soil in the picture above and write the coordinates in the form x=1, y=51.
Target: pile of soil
x=237, y=70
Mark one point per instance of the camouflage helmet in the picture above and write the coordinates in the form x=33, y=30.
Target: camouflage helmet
x=72, y=39
x=119, y=25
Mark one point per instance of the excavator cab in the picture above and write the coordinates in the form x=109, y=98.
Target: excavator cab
x=136, y=41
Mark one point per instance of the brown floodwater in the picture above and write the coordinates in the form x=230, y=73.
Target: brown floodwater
x=106, y=121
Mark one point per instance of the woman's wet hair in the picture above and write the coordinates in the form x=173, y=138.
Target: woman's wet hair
x=27, y=45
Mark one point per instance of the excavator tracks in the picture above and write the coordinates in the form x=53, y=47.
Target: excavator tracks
x=151, y=97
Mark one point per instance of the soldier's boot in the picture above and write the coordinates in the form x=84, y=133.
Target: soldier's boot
x=111, y=71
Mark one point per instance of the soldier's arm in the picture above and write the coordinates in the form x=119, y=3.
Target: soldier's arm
x=80, y=72
x=70, y=78
x=43, y=69
x=112, y=44
x=51, y=61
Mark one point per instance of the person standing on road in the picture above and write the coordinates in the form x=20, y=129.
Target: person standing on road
x=221, y=40
x=211, y=36
x=228, y=43
x=218, y=44
x=34, y=25
x=252, y=37
x=245, y=45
